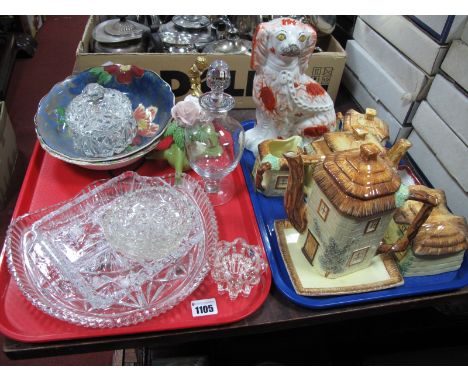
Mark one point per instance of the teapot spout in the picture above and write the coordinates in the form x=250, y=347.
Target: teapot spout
x=397, y=151
x=294, y=203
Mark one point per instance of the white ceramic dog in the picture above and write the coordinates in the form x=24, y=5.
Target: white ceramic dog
x=288, y=101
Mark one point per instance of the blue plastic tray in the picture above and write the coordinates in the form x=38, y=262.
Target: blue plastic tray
x=269, y=209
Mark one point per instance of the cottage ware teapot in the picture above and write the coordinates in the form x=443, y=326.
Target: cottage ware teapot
x=121, y=36
x=349, y=206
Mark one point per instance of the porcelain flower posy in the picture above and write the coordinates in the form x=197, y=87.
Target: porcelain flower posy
x=186, y=112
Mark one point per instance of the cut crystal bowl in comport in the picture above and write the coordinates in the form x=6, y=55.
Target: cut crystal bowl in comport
x=119, y=253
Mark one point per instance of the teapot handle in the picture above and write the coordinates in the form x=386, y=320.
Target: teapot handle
x=429, y=201
x=294, y=203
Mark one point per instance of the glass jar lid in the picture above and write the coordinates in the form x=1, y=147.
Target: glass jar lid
x=218, y=78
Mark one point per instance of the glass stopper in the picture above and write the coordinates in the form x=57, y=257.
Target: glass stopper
x=218, y=78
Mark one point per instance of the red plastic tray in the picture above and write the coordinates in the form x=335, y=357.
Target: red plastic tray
x=49, y=181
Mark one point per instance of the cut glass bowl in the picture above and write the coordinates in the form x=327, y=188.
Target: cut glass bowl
x=68, y=264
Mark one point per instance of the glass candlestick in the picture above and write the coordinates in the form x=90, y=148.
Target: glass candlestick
x=215, y=142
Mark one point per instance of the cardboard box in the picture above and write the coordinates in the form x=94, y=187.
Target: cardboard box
x=380, y=83
x=451, y=104
x=8, y=152
x=408, y=75
x=457, y=199
x=448, y=148
x=442, y=28
x=410, y=40
x=325, y=67
x=456, y=63
x=362, y=96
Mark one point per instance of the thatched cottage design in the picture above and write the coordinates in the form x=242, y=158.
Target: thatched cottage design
x=350, y=204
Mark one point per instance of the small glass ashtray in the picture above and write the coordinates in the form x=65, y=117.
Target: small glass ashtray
x=237, y=267
x=101, y=121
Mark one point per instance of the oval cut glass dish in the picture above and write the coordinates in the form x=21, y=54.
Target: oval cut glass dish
x=121, y=252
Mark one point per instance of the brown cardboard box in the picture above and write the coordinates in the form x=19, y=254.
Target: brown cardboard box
x=8, y=152
x=325, y=67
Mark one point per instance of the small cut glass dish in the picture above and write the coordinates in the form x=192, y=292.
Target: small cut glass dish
x=151, y=101
x=121, y=252
x=237, y=267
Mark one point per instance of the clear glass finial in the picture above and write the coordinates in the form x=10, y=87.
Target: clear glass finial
x=218, y=78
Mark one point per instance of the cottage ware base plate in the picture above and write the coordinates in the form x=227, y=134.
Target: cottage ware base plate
x=382, y=273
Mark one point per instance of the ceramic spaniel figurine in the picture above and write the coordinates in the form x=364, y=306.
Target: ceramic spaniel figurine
x=288, y=101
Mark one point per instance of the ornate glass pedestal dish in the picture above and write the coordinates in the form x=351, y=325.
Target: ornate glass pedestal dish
x=101, y=121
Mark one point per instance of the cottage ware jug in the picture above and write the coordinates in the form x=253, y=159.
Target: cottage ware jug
x=349, y=206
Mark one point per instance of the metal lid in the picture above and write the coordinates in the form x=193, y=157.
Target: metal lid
x=218, y=78
x=118, y=30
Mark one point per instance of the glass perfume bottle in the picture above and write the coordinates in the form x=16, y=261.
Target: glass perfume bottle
x=215, y=142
